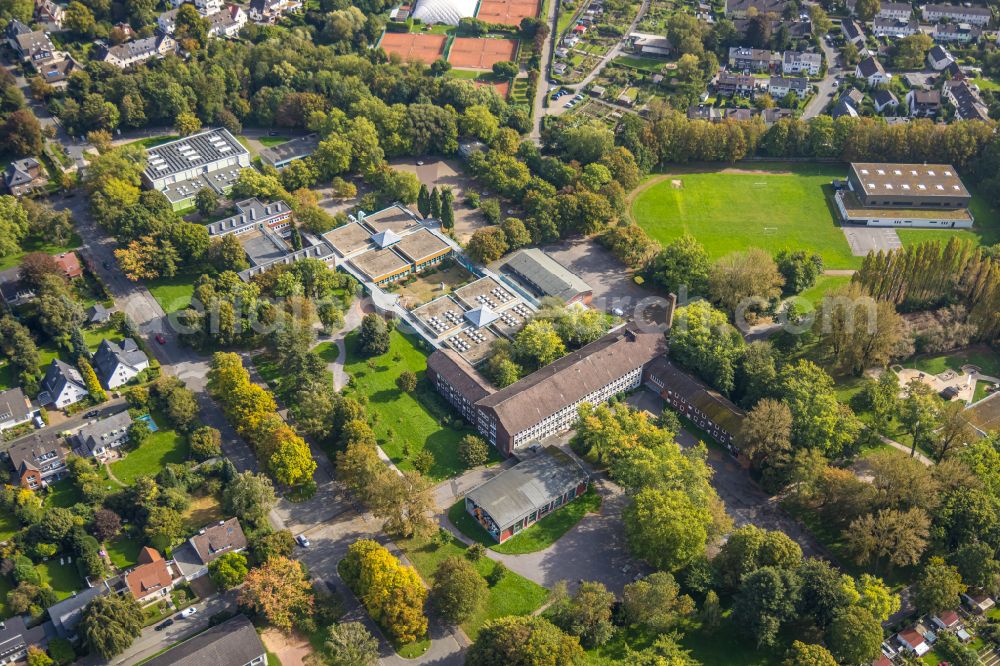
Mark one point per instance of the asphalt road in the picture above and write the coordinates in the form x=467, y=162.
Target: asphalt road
x=827, y=85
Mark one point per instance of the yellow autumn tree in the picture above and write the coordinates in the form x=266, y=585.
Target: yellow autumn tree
x=292, y=462
x=392, y=593
x=279, y=590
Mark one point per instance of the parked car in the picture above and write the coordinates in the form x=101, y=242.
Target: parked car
x=159, y=338
x=303, y=541
x=163, y=625
x=106, y=264
x=187, y=612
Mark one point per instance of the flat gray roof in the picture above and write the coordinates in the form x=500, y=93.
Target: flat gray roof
x=297, y=148
x=192, y=151
x=420, y=245
x=925, y=180
x=348, y=238
x=528, y=485
x=379, y=263
x=261, y=248
x=546, y=274
x=395, y=217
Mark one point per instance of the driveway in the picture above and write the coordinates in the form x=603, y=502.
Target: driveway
x=827, y=85
x=871, y=239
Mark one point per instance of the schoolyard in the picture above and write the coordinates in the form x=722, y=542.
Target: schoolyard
x=768, y=206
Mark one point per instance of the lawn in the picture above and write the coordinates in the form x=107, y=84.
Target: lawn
x=328, y=351
x=726, y=211
x=203, y=511
x=152, y=141
x=268, y=141
x=404, y=423
x=987, y=360
x=9, y=526
x=124, y=552
x=537, y=537
x=38, y=245
x=63, y=578
x=824, y=284
x=654, y=65
x=513, y=595
x=173, y=294
x=162, y=447
x=93, y=336
x=62, y=494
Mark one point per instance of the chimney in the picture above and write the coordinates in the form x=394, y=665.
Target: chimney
x=253, y=213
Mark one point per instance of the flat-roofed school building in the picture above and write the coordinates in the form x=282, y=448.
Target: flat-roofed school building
x=909, y=195
x=213, y=158
x=526, y=493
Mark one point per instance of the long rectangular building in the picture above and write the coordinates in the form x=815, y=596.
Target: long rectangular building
x=213, y=159
x=546, y=401
x=908, y=195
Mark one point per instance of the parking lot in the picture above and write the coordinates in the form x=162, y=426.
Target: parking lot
x=870, y=239
x=609, y=279
x=447, y=173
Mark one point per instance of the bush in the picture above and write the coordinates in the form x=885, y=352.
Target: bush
x=473, y=451
x=475, y=552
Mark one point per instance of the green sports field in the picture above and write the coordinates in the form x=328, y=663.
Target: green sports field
x=770, y=206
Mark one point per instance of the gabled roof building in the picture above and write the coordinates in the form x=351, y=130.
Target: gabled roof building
x=232, y=643
x=117, y=363
x=62, y=385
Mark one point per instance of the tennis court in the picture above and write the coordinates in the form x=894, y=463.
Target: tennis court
x=479, y=53
x=508, y=12
x=423, y=48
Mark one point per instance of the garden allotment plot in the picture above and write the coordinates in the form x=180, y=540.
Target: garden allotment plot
x=771, y=207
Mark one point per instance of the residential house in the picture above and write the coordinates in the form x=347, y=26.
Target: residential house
x=745, y=8
x=152, y=578
x=25, y=176
x=98, y=314
x=895, y=10
x=15, y=408
x=884, y=100
x=796, y=62
x=132, y=53
x=270, y=11
x=797, y=30
x=49, y=11
x=728, y=85
x=16, y=638
x=923, y=103
x=99, y=438
x=964, y=33
x=167, y=21
x=966, y=100
x=872, y=71
x=117, y=363
x=30, y=46
x=967, y=13
x=69, y=265
x=849, y=104
x=977, y=602
x=123, y=31
x=853, y=32
x=895, y=27
x=742, y=58
x=650, y=45
x=13, y=292
x=947, y=620
x=227, y=22
x=938, y=58
x=66, y=614
x=779, y=86
x=56, y=71
x=211, y=542
x=234, y=642
x=38, y=460
x=204, y=7
x=62, y=385
x=913, y=641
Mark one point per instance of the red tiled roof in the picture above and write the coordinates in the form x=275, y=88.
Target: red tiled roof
x=151, y=575
x=912, y=637
x=949, y=618
x=69, y=264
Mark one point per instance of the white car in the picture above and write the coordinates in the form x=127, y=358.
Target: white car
x=303, y=541
x=188, y=612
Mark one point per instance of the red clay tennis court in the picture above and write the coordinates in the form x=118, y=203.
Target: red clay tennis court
x=501, y=87
x=473, y=53
x=414, y=46
x=508, y=12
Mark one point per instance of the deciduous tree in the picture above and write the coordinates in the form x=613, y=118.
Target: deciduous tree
x=279, y=590
x=110, y=623
x=458, y=590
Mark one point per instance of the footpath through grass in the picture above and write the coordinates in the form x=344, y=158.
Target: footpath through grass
x=404, y=423
x=536, y=537
x=512, y=595
x=772, y=206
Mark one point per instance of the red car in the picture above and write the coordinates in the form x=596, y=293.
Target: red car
x=159, y=338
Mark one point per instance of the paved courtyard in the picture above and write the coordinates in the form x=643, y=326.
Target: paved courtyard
x=447, y=173
x=871, y=239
